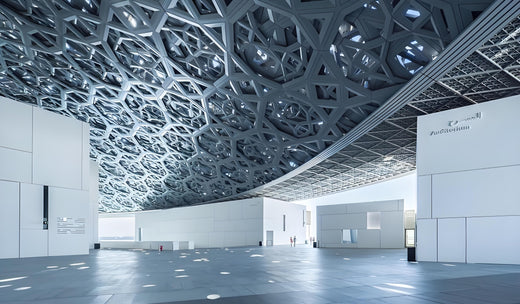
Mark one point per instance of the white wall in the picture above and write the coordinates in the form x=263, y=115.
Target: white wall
x=332, y=219
x=15, y=141
x=399, y=188
x=235, y=223
x=68, y=213
x=274, y=210
x=57, y=150
x=117, y=227
x=227, y=224
x=92, y=231
x=468, y=164
x=34, y=241
x=9, y=219
x=40, y=148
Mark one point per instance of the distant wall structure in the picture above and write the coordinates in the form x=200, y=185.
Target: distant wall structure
x=361, y=225
x=247, y=222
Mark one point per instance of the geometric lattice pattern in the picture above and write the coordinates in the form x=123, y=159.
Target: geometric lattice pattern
x=195, y=100
x=491, y=72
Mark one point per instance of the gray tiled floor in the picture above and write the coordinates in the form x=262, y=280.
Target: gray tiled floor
x=253, y=275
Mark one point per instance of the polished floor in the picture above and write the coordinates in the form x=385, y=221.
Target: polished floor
x=253, y=275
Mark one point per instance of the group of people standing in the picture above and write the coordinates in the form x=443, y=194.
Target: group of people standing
x=293, y=241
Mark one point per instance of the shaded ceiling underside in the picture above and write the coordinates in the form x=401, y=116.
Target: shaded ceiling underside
x=191, y=101
x=489, y=72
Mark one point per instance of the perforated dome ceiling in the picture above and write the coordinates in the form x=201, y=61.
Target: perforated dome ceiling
x=191, y=101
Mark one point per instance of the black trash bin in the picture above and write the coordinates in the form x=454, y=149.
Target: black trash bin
x=260, y=243
x=411, y=254
x=315, y=244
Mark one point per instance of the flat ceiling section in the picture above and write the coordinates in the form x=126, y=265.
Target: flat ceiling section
x=191, y=101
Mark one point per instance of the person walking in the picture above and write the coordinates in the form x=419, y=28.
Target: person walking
x=294, y=240
x=291, y=241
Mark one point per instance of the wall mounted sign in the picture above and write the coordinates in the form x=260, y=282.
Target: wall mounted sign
x=69, y=225
x=458, y=125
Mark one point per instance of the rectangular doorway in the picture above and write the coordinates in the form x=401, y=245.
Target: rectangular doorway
x=269, y=237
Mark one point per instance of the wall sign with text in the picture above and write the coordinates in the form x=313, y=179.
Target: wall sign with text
x=463, y=124
x=69, y=225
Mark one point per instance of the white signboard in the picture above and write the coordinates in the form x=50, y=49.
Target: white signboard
x=69, y=225
x=479, y=136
